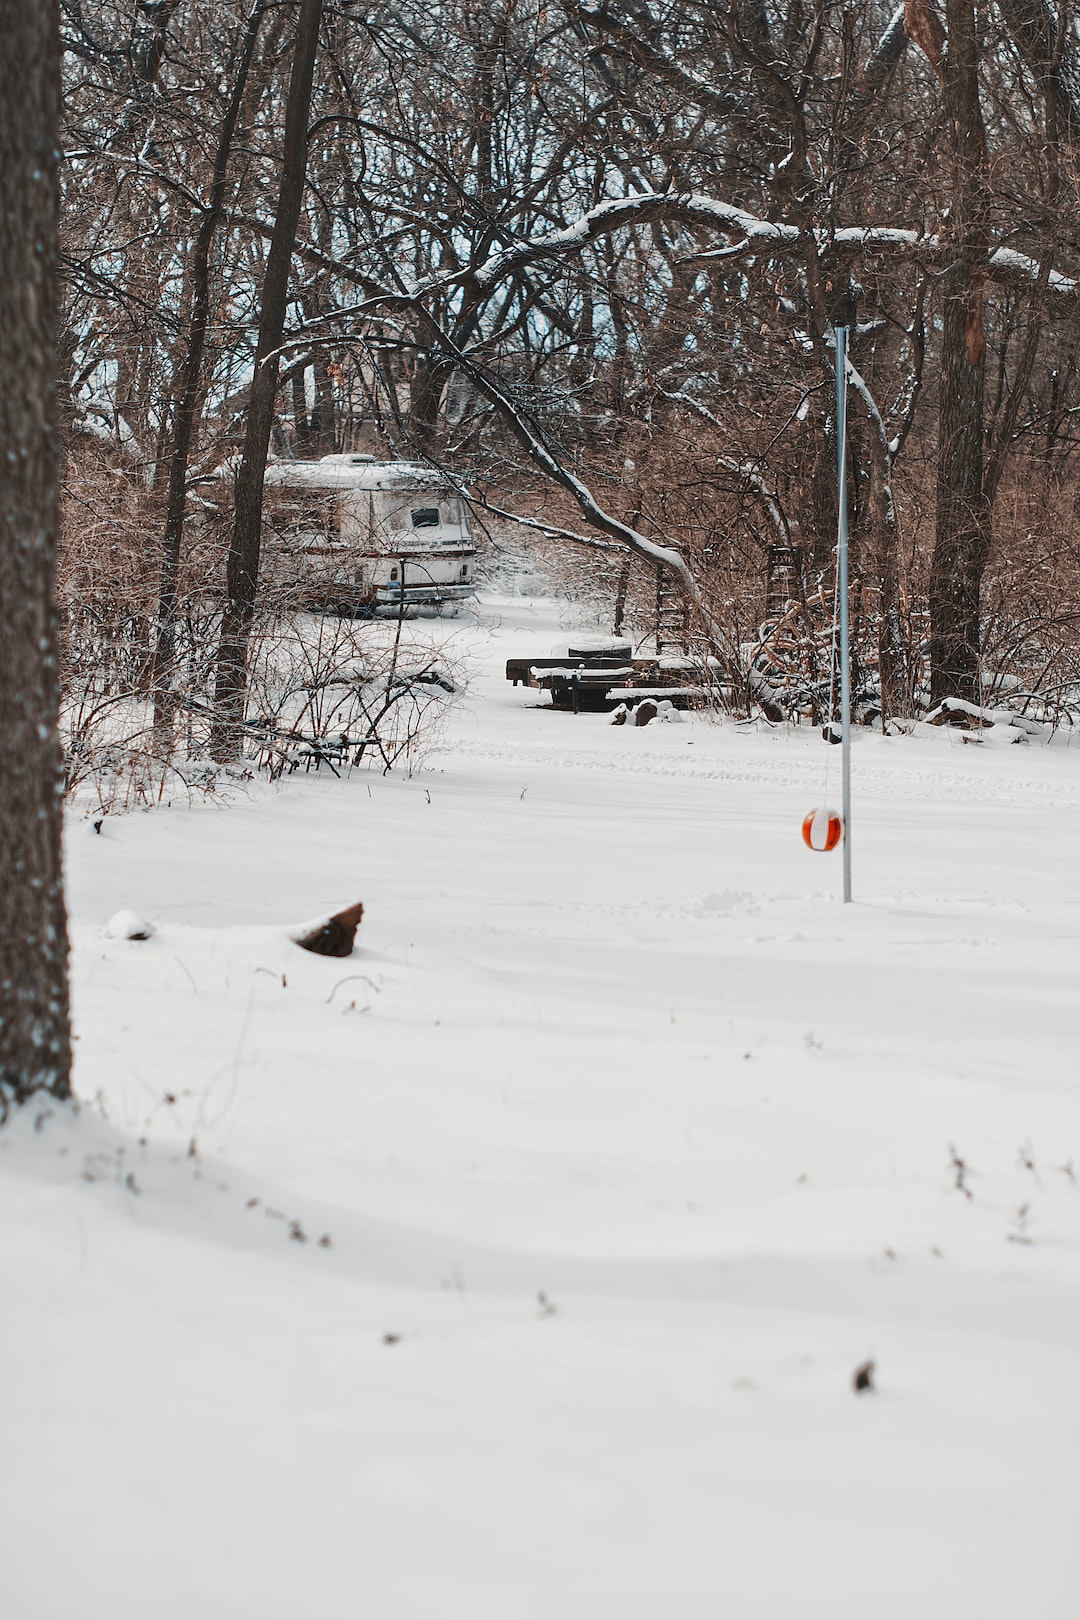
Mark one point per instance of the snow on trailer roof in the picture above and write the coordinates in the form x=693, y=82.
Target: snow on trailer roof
x=355, y=472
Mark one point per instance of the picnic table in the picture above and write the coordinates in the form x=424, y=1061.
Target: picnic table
x=596, y=679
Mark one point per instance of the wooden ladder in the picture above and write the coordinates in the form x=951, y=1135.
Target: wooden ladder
x=672, y=617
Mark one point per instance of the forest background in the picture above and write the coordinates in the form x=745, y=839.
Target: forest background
x=588, y=260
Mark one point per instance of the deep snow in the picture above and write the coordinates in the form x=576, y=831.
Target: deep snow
x=630, y=1143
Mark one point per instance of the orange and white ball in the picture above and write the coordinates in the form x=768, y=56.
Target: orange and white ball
x=822, y=829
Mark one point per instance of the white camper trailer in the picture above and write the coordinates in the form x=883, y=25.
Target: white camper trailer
x=360, y=535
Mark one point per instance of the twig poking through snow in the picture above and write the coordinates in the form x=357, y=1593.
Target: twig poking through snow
x=962, y=1171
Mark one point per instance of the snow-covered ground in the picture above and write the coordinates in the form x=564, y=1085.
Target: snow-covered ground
x=628, y=1142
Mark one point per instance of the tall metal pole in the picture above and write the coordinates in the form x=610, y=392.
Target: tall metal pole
x=844, y=605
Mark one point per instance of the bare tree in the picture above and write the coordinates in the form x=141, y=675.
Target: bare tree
x=962, y=540
x=34, y=1032
x=190, y=386
x=587, y=256
x=243, y=563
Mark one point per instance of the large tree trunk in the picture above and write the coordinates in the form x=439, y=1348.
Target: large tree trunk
x=242, y=579
x=962, y=537
x=34, y=1033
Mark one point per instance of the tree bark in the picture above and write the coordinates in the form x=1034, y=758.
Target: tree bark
x=893, y=671
x=242, y=579
x=34, y=1030
x=962, y=535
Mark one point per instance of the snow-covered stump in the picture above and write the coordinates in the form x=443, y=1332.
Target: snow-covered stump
x=128, y=925
x=334, y=937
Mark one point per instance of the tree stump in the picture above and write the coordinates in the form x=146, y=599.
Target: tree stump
x=334, y=937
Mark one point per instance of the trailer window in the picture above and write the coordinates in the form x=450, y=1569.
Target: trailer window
x=425, y=517
x=307, y=517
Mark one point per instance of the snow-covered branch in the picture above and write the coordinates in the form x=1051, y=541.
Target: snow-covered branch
x=646, y=208
x=858, y=383
x=749, y=234
x=551, y=530
x=886, y=446
x=1003, y=264
x=651, y=551
x=886, y=53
